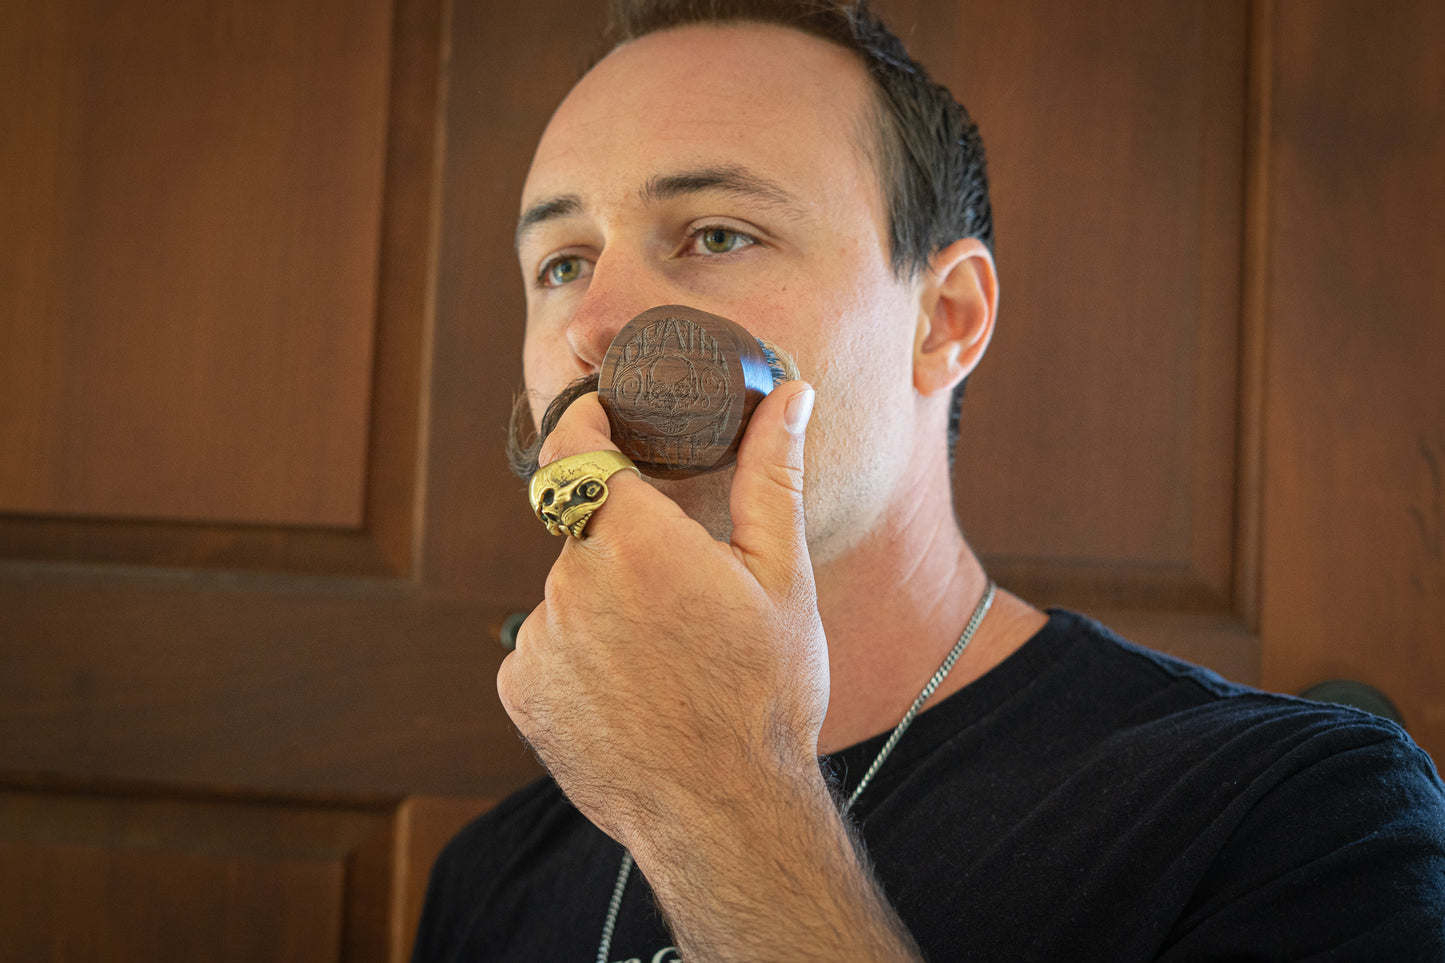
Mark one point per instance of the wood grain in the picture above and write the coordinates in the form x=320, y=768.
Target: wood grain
x=1100, y=448
x=214, y=354
x=199, y=245
x=1354, y=501
x=134, y=872
x=1102, y=462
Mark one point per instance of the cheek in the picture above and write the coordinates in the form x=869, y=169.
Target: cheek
x=547, y=368
x=534, y=379
x=866, y=343
x=865, y=377
x=848, y=319
x=533, y=357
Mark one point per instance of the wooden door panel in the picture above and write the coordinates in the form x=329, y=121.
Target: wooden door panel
x=1355, y=558
x=200, y=673
x=139, y=873
x=1204, y=398
x=322, y=688
x=1109, y=454
x=218, y=253
x=95, y=902
x=212, y=178
x=302, y=657
x=1100, y=444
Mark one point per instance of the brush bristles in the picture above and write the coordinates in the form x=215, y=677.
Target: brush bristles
x=780, y=363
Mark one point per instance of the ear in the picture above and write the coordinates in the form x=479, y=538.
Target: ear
x=957, y=308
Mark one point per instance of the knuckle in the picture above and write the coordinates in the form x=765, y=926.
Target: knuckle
x=560, y=584
x=554, y=446
x=785, y=476
x=570, y=441
x=582, y=427
x=506, y=683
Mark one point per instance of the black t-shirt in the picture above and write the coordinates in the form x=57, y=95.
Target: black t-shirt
x=1085, y=800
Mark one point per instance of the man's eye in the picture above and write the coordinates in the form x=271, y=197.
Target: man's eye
x=720, y=240
x=562, y=270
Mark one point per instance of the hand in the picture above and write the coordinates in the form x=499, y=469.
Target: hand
x=666, y=673
x=675, y=687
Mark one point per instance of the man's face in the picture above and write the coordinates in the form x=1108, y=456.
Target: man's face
x=729, y=168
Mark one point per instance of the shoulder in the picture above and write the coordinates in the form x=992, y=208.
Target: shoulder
x=1166, y=807
x=1335, y=834
x=1321, y=821
x=1079, y=704
x=1186, y=716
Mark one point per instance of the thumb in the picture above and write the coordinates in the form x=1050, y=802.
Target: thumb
x=767, y=492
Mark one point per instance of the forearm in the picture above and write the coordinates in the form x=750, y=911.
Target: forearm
x=716, y=789
x=775, y=875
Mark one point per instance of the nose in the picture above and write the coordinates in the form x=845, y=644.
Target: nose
x=621, y=287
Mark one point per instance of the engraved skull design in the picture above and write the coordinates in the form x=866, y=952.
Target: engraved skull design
x=674, y=392
x=673, y=377
x=565, y=505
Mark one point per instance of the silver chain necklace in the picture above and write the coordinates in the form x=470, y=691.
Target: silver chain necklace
x=614, y=907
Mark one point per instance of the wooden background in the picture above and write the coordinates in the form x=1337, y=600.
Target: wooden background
x=260, y=323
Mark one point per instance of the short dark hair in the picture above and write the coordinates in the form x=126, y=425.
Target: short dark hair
x=930, y=154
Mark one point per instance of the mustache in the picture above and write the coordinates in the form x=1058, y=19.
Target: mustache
x=524, y=441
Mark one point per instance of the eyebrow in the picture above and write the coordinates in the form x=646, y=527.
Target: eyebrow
x=736, y=180
x=729, y=179
x=548, y=209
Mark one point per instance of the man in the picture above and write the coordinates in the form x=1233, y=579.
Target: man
x=1063, y=795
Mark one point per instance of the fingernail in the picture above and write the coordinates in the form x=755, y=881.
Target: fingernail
x=798, y=411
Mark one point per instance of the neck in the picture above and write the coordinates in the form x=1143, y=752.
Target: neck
x=893, y=609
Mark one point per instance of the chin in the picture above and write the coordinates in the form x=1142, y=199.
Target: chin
x=704, y=499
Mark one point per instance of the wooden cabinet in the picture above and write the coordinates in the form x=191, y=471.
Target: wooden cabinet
x=129, y=871
x=260, y=323
x=1353, y=511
